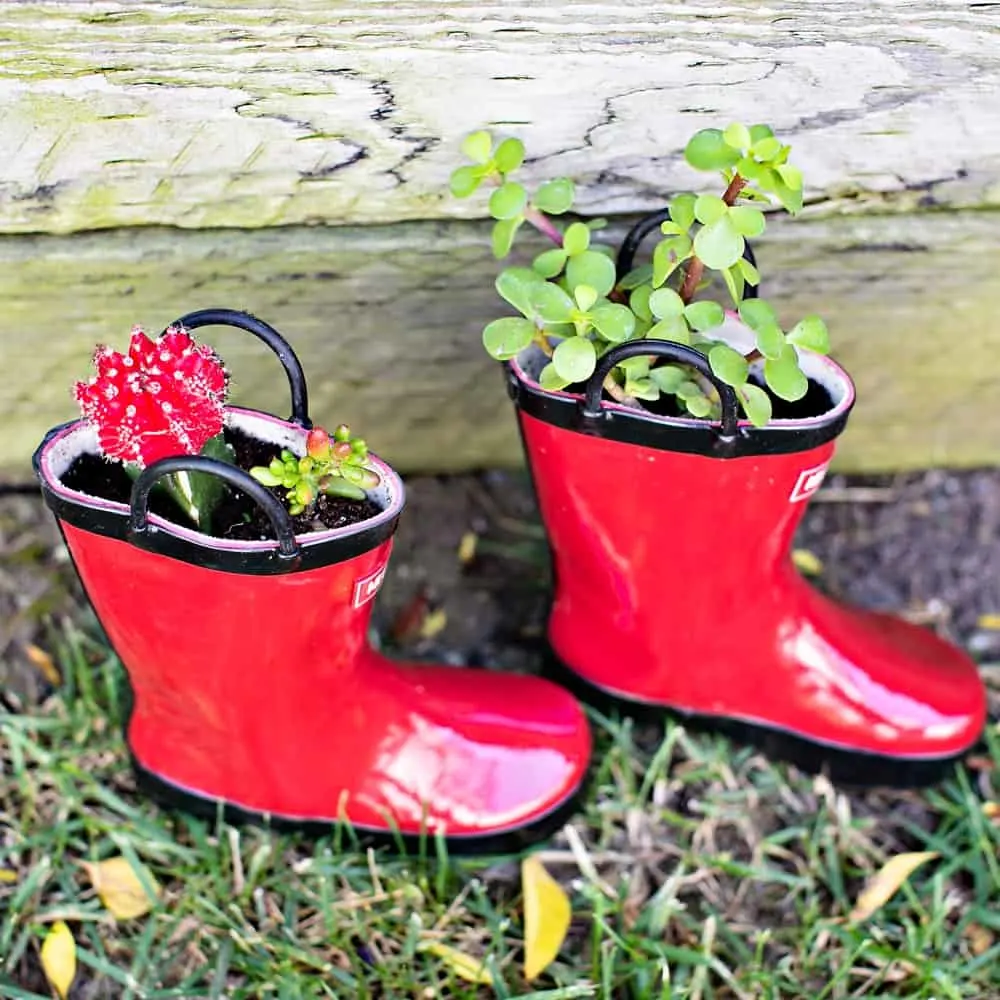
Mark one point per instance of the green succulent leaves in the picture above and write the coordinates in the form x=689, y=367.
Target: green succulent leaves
x=508, y=201
x=708, y=150
x=478, y=147
x=465, y=181
x=334, y=465
x=574, y=359
x=756, y=404
x=811, y=335
x=720, y=241
x=506, y=337
x=591, y=268
x=728, y=364
x=571, y=304
x=555, y=197
x=755, y=155
x=509, y=155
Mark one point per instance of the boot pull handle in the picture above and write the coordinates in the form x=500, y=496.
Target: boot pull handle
x=592, y=409
x=267, y=333
x=139, y=502
x=634, y=237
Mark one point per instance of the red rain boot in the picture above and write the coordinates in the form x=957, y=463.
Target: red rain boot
x=674, y=587
x=254, y=686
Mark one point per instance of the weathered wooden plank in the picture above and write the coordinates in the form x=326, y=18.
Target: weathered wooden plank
x=387, y=322
x=253, y=113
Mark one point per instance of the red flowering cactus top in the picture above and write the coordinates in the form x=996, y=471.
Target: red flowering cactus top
x=165, y=397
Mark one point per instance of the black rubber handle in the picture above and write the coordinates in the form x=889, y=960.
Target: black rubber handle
x=635, y=236
x=138, y=518
x=267, y=333
x=672, y=352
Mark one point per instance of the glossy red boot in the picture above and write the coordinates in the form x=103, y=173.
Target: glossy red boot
x=674, y=588
x=254, y=686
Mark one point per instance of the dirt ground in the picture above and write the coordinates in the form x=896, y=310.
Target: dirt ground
x=468, y=578
x=468, y=585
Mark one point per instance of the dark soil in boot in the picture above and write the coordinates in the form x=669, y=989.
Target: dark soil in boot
x=237, y=516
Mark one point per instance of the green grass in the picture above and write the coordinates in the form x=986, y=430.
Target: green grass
x=696, y=869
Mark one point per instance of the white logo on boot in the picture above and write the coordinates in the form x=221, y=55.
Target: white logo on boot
x=808, y=483
x=367, y=587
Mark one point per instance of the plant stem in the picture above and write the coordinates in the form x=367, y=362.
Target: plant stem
x=616, y=392
x=696, y=268
x=736, y=185
x=542, y=341
x=533, y=216
x=543, y=224
x=611, y=387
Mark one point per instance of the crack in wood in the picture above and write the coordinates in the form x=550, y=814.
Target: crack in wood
x=97, y=89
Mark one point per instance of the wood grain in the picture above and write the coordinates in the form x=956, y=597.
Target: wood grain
x=212, y=113
x=387, y=321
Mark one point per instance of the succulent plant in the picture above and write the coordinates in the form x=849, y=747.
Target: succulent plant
x=332, y=465
x=167, y=397
x=575, y=306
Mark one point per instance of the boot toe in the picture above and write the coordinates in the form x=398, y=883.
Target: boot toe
x=479, y=755
x=888, y=687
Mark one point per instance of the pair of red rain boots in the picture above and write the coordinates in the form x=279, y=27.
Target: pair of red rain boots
x=255, y=690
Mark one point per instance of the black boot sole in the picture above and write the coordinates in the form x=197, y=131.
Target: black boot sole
x=349, y=838
x=854, y=768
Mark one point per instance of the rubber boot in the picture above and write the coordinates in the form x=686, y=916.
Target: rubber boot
x=255, y=690
x=675, y=590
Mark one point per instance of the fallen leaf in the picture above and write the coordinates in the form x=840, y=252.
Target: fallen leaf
x=120, y=888
x=464, y=966
x=43, y=663
x=59, y=958
x=882, y=886
x=409, y=619
x=979, y=762
x=990, y=622
x=433, y=623
x=467, y=547
x=546, y=917
x=8, y=876
x=807, y=562
x=980, y=938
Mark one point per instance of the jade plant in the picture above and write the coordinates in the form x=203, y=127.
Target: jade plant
x=331, y=466
x=161, y=398
x=574, y=306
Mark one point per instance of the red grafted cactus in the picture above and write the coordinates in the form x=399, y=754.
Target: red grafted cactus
x=164, y=397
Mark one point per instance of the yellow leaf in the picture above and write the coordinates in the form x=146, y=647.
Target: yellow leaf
x=43, y=663
x=59, y=958
x=807, y=562
x=882, y=886
x=433, y=623
x=546, y=917
x=8, y=876
x=464, y=966
x=467, y=547
x=991, y=622
x=120, y=889
x=980, y=938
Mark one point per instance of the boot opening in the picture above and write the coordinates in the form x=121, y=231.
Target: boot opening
x=76, y=464
x=830, y=390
